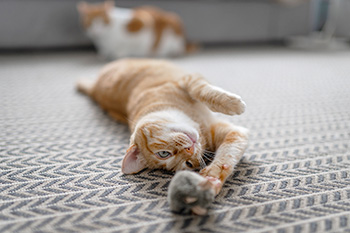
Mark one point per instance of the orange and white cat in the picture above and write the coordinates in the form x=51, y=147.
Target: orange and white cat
x=169, y=112
x=140, y=32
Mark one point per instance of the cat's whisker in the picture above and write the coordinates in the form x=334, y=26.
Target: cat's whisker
x=207, y=157
x=175, y=167
x=199, y=158
x=209, y=154
x=202, y=163
x=206, y=154
x=208, y=151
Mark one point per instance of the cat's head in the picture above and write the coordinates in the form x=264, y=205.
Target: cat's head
x=91, y=13
x=163, y=143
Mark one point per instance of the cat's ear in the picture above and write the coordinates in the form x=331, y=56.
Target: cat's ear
x=132, y=162
x=82, y=7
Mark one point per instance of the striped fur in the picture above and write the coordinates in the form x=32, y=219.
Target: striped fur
x=168, y=110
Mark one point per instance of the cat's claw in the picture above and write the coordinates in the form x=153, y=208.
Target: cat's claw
x=215, y=174
x=216, y=183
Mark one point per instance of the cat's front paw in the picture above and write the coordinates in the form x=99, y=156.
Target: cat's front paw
x=226, y=102
x=216, y=184
x=212, y=170
x=234, y=104
x=213, y=173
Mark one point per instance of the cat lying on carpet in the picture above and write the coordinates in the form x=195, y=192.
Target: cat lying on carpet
x=140, y=32
x=168, y=112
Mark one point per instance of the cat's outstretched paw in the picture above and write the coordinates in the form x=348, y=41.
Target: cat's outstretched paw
x=226, y=102
x=215, y=184
x=238, y=105
x=217, y=174
x=231, y=104
x=190, y=193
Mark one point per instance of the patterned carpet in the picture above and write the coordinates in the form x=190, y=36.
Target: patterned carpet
x=60, y=155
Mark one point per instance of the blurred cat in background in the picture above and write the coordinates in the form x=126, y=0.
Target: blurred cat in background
x=139, y=32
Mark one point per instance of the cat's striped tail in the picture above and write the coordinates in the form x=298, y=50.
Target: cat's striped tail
x=85, y=86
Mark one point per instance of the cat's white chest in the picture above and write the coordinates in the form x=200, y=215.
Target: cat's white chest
x=113, y=40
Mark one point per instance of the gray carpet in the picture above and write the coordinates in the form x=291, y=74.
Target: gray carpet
x=60, y=155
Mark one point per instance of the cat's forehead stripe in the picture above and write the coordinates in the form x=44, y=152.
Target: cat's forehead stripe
x=158, y=145
x=145, y=141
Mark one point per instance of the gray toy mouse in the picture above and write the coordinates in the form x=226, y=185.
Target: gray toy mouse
x=190, y=192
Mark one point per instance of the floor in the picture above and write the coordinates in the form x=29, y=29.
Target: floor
x=60, y=155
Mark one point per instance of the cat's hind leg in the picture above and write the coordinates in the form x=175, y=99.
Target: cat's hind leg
x=217, y=99
x=118, y=117
x=230, y=142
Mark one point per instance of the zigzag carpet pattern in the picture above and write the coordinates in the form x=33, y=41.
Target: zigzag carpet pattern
x=60, y=155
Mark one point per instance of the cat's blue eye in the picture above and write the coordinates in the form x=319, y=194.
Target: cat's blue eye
x=163, y=154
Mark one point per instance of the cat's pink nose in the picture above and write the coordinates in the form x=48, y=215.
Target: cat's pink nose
x=190, y=150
